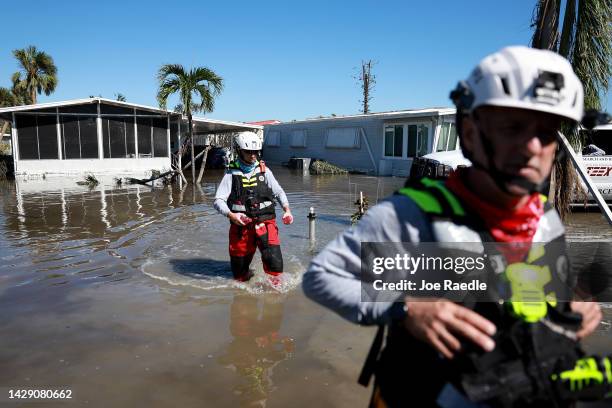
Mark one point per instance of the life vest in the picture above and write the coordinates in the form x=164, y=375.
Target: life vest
x=251, y=195
x=536, y=332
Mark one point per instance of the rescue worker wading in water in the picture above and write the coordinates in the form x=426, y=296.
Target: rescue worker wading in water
x=246, y=196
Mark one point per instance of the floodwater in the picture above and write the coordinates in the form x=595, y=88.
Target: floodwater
x=124, y=296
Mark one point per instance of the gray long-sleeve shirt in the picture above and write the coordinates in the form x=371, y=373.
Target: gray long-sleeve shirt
x=333, y=276
x=225, y=188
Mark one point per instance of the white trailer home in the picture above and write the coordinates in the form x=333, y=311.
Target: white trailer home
x=100, y=136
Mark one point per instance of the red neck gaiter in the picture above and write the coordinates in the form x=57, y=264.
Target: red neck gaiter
x=516, y=226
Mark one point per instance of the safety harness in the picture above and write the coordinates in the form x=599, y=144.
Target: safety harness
x=251, y=195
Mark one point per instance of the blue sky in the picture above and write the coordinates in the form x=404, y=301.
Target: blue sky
x=279, y=59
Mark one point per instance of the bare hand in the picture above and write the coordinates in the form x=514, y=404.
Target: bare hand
x=237, y=218
x=437, y=322
x=287, y=217
x=591, y=316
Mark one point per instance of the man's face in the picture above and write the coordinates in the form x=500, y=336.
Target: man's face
x=249, y=156
x=524, y=142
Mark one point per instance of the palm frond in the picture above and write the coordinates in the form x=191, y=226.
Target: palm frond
x=207, y=98
x=7, y=98
x=37, y=74
x=199, y=84
x=170, y=69
x=592, y=52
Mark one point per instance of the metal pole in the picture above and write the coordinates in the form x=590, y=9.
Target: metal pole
x=100, y=138
x=58, y=129
x=587, y=180
x=361, y=202
x=311, y=224
x=14, y=144
x=136, y=154
x=179, y=152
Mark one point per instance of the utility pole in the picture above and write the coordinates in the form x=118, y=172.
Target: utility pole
x=367, y=80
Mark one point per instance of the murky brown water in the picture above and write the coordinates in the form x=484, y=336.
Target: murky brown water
x=124, y=295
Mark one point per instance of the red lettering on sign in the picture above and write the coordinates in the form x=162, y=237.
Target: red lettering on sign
x=599, y=171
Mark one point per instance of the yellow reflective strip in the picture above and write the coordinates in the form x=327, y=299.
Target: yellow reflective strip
x=536, y=252
x=606, y=363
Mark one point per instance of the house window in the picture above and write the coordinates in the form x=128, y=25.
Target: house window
x=118, y=137
x=79, y=137
x=37, y=136
x=298, y=138
x=273, y=138
x=145, y=148
x=418, y=140
x=342, y=138
x=448, y=137
x=394, y=140
x=160, y=137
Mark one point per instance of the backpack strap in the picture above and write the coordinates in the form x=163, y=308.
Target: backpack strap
x=433, y=198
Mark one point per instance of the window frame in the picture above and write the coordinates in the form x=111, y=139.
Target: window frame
x=356, y=141
x=267, y=138
x=405, y=125
x=453, y=124
x=301, y=146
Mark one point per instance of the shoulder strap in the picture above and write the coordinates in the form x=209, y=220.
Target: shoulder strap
x=433, y=198
x=370, y=364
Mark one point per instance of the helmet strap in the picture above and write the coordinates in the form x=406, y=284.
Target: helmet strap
x=500, y=178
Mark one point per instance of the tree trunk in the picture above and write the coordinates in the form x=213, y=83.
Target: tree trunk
x=206, y=149
x=547, y=25
x=567, y=32
x=4, y=127
x=33, y=96
x=180, y=152
x=192, y=148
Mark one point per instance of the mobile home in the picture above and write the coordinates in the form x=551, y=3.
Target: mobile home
x=382, y=144
x=101, y=136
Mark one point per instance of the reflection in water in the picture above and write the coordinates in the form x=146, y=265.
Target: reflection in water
x=256, y=348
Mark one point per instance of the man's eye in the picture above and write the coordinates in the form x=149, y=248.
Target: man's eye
x=511, y=128
x=548, y=137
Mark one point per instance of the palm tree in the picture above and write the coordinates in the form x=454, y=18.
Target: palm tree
x=7, y=98
x=197, y=89
x=120, y=97
x=585, y=40
x=37, y=72
x=11, y=97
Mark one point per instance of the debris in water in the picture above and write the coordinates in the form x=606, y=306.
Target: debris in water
x=324, y=167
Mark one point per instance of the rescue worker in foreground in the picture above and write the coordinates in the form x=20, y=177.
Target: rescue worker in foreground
x=247, y=195
x=508, y=114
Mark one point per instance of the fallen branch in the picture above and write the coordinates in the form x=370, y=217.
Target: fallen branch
x=152, y=178
x=185, y=167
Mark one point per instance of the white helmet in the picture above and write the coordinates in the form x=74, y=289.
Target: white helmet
x=526, y=78
x=248, y=141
